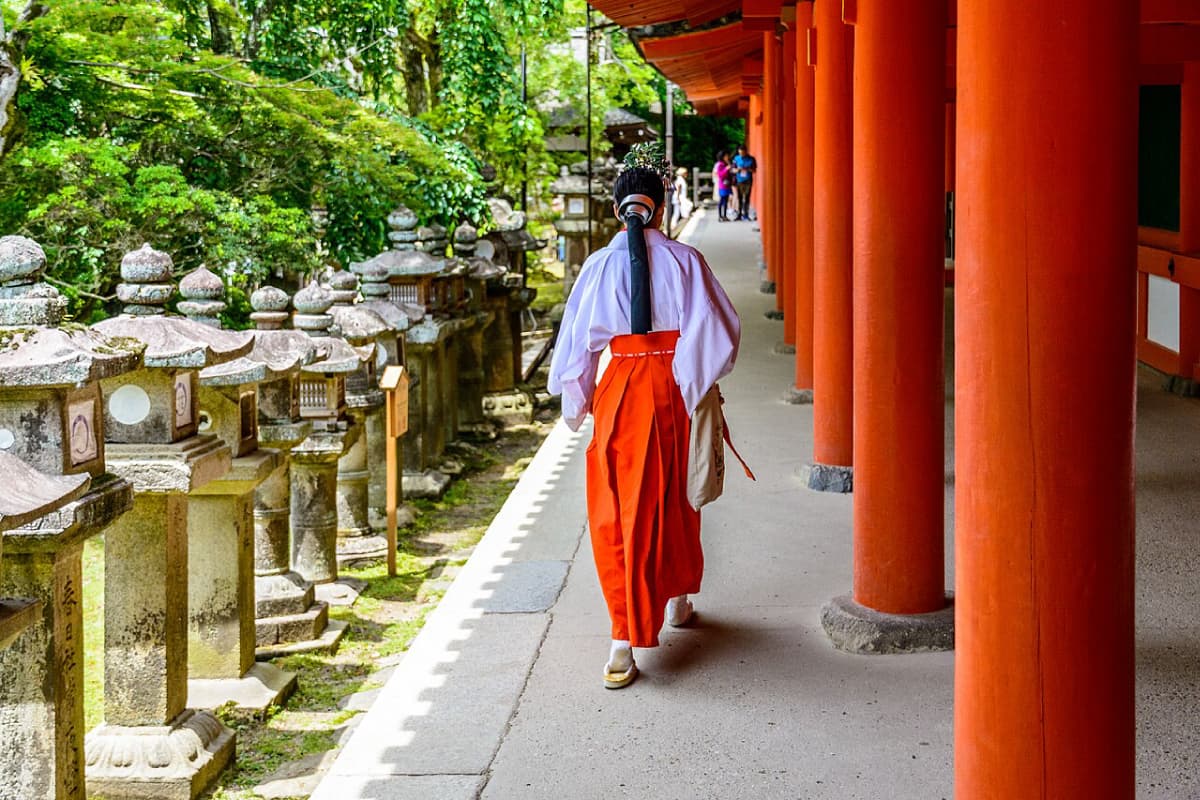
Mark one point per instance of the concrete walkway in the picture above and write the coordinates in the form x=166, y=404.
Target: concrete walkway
x=500, y=695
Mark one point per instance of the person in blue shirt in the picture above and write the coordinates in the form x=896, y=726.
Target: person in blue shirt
x=744, y=167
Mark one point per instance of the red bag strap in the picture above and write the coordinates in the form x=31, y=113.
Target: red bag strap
x=728, y=441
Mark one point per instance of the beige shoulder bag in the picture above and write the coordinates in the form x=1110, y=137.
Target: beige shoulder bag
x=706, y=451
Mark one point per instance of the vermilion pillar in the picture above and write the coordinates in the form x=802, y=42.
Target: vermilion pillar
x=768, y=171
x=754, y=125
x=1189, y=215
x=1047, y=187
x=803, y=305
x=833, y=399
x=899, y=390
x=786, y=291
x=1189, y=159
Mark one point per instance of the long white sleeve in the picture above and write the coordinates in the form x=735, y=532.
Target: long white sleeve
x=685, y=296
x=709, y=335
x=574, y=362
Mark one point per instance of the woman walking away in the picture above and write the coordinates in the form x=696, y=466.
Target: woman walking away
x=721, y=185
x=673, y=333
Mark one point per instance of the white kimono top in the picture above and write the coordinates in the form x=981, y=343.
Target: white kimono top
x=684, y=296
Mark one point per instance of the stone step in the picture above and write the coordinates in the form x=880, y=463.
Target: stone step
x=327, y=642
x=281, y=595
x=292, y=627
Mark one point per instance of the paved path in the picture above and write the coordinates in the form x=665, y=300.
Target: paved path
x=500, y=696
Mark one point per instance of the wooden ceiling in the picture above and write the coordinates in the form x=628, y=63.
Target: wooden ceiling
x=709, y=47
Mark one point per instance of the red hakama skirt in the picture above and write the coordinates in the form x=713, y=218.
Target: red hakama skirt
x=645, y=533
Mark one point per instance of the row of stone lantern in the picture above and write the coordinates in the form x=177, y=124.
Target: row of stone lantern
x=240, y=465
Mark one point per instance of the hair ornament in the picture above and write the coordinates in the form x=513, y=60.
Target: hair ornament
x=651, y=156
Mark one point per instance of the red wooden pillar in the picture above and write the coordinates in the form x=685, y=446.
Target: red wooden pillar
x=1189, y=216
x=1047, y=186
x=1189, y=159
x=899, y=390
x=833, y=398
x=768, y=170
x=786, y=291
x=803, y=78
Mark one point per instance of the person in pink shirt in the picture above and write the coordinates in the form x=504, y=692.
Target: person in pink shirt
x=721, y=184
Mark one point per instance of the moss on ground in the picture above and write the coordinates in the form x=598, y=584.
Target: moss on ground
x=293, y=741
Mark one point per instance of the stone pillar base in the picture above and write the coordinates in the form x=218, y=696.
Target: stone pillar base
x=774, y=314
x=783, y=348
x=263, y=686
x=857, y=629
x=285, y=593
x=284, y=628
x=798, y=397
x=326, y=639
x=828, y=478
x=359, y=548
x=767, y=287
x=169, y=762
x=430, y=483
x=509, y=408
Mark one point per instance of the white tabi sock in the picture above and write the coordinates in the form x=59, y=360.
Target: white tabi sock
x=620, y=657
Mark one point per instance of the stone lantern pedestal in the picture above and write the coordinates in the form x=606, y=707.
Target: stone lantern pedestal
x=288, y=618
x=367, y=332
x=314, y=470
x=508, y=297
x=52, y=426
x=375, y=292
x=151, y=744
x=432, y=408
x=221, y=599
x=472, y=349
x=425, y=442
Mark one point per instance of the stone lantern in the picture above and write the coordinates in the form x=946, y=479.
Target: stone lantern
x=288, y=617
x=51, y=432
x=363, y=329
x=583, y=211
x=314, y=498
x=151, y=744
x=410, y=278
x=477, y=273
x=375, y=291
x=221, y=629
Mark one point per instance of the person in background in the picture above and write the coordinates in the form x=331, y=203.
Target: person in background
x=744, y=166
x=722, y=185
x=683, y=205
x=672, y=332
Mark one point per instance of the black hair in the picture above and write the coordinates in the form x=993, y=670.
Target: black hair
x=639, y=180
x=721, y=154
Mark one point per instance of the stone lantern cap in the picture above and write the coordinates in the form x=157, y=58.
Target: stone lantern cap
x=171, y=342
x=204, y=297
x=359, y=324
x=33, y=354
x=312, y=304
x=467, y=250
x=30, y=494
x=376, y=294
x=403, y=263
x=282, y=350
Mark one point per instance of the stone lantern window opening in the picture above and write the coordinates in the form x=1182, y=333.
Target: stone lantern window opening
x=322, y=398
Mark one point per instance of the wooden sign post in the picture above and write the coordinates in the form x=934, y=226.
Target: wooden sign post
x=395, y=383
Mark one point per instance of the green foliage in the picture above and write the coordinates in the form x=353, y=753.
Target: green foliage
x=136, y=133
